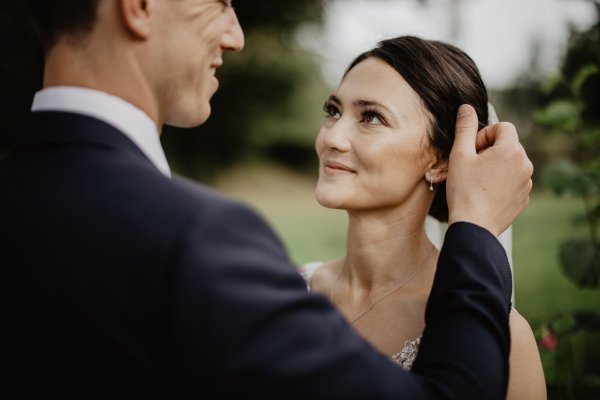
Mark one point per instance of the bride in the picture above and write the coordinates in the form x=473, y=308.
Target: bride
x=383, y=152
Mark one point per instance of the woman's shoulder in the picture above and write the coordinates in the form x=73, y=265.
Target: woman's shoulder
x=522, y=337
x=519, y=326
x=307, y=270
x=526, y=380
x=317, y=273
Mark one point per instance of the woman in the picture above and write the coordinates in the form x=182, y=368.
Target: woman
x=383, y=152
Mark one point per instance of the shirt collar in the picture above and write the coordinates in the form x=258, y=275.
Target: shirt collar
x=124, y=116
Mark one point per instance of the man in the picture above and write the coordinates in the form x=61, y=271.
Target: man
x=124, y=282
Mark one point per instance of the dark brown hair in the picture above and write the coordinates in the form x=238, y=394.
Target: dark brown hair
x=58, y=17
x=444, y=77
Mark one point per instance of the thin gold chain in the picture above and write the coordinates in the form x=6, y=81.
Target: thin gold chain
x=401, y=284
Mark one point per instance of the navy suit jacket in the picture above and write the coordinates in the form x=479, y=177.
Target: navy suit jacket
x=119, y=282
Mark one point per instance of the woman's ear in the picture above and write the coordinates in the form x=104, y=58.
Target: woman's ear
x=437, y=170
x=137, y=16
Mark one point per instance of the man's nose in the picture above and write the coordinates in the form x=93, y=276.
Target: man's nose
x=233, y=38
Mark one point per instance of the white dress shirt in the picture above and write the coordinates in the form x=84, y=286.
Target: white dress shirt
x=124, y=116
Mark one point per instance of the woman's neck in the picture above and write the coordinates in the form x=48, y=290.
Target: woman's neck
x=384, y=247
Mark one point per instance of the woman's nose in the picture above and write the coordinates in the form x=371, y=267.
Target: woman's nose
x=336, y=136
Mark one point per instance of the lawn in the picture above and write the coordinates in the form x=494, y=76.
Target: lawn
x=541, y=290
x=311, y=232
x=286, y=199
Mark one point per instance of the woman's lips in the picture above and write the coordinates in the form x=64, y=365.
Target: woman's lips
x=334, y=167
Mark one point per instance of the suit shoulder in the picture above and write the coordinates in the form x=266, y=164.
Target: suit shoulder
x=210, y=208
x=198, y=197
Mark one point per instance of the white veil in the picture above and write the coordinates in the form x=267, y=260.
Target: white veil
x=436, y=230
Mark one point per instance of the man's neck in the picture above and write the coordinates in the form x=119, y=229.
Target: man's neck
x=110, y=70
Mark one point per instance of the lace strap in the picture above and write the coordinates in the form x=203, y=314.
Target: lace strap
x=307, y=271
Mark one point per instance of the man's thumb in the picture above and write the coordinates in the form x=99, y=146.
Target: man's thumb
x=466, y=129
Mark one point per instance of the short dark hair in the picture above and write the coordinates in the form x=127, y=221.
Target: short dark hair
x=57, y=17
x=444, y=77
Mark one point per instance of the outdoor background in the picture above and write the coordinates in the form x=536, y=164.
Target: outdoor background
x=541, y=62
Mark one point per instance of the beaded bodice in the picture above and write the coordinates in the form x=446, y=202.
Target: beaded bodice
x=405, y=357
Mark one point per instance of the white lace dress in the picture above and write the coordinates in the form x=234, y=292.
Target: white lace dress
x=405, y=357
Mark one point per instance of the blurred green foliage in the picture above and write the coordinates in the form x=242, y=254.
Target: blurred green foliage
x=571, y=111
x=268, y=103
x=569, y=98
x=21, y=64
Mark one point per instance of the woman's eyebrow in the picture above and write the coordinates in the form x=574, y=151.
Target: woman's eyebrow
x=371, y=103
x=360, y=103
x=333, y=99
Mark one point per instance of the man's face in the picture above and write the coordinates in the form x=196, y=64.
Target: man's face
x=191, y=36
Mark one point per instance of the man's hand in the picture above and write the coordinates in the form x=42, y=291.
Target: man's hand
x=489, y=174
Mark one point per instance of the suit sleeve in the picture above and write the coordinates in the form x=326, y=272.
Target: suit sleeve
x=467, y=317
x=244, y=322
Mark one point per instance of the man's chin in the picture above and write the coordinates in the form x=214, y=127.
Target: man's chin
x=191, y=120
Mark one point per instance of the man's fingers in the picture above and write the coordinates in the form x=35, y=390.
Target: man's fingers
x=466, y=130
x=497, y=133
x=486, y=137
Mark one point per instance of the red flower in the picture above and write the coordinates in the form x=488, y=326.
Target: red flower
x=549, y=341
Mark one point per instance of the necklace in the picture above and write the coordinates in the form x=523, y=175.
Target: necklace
x=401, y=284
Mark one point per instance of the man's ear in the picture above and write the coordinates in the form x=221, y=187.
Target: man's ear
x=137, y=16
x=438, y=169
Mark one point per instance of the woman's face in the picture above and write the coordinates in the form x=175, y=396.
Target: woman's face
x=373, y=148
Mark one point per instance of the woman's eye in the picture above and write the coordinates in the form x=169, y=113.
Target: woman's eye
x=371, y=117
x=331, y=111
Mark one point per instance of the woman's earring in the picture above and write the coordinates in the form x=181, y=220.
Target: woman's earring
x=431, y=184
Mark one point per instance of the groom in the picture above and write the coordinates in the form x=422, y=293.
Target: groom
x=123, y=281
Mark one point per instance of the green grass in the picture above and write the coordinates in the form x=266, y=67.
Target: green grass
x=311, y=232
x=286, y=199
x=541, y=289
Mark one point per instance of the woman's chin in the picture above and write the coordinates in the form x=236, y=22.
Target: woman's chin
x=329, y=201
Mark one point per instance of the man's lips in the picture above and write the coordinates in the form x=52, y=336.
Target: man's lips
x=216, y=64
x=213, y=67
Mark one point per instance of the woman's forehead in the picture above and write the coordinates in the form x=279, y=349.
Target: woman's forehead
x=374, y=80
